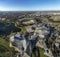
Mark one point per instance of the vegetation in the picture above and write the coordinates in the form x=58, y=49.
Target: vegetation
x=4, y=48
x=23, y=30
x=7, y=28
x=41, y=51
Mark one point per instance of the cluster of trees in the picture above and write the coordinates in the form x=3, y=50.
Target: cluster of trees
x=7, y=28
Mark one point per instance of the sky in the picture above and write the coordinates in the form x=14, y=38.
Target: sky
x=29, y=5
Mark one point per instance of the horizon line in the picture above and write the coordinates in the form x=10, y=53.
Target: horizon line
x=29, y=10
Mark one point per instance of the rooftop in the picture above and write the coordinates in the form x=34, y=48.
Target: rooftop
x=18, y=36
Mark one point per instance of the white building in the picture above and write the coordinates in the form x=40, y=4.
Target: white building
x=20, y=44
x=42, y=31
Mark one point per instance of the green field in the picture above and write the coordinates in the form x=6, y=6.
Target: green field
x=4, y=48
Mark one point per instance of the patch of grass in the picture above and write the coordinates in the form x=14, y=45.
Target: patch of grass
x=41, y=53
x=4, y=42
x=4, y=48
x=23, y=30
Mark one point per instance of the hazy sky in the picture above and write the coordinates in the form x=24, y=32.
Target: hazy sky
x=16, y=5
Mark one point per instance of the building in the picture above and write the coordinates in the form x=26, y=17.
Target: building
x=20, y=44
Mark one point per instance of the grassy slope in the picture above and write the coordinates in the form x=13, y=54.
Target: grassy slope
x=5, y=45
